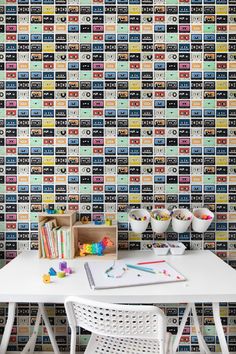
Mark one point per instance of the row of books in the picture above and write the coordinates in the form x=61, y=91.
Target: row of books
x=55, y=241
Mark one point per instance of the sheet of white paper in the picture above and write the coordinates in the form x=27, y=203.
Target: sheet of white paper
x=132, y=277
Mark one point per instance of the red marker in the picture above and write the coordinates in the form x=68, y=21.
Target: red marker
x=150, y=262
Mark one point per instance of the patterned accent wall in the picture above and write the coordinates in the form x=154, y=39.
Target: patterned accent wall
x=106, y=104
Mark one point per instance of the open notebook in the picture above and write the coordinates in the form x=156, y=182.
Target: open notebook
x=98, y=279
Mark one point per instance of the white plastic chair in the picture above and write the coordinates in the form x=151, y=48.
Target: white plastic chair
x=118, y=329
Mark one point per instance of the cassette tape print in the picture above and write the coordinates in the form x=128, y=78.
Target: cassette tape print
x=133, y=106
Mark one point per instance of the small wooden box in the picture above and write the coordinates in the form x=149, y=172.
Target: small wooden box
x=67, y=219
x=90, y=233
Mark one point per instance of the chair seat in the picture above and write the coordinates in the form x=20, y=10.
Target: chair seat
x=112, y=345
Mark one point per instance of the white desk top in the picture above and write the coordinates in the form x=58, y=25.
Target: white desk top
x=209, y=279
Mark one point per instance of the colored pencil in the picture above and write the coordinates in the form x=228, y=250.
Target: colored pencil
x=142, y=269
x=140, y=263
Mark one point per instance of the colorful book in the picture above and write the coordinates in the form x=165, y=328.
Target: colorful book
x=58, y=233
x=41, y=240
x=55, y=240
x=45, y=242
x=50, y=226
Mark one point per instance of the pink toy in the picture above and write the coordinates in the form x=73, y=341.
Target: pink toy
x=95, y=248
x=68, y=270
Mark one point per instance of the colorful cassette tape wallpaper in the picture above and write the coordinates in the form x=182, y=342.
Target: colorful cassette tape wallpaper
x=109, y=104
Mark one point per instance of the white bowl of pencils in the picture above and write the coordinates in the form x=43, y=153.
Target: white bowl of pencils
x=160, y=220
x=139, y=220
x=177, y=248
x=202, y=219
x=160, y=248
x=181, y=220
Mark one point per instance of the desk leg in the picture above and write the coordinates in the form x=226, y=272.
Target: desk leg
x=202, y=344
x=8, y=327
x=219, y=328
x=30, y=346
x=49, y=329
x=181, y=328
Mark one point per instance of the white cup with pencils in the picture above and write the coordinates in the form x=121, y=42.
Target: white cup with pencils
x=160, y=220
x=139, y=220
x=181, y=220
x=202, y=219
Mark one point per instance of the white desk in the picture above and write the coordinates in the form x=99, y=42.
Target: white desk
x=209, y=279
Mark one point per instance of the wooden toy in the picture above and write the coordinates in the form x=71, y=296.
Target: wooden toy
x=95, y=248
x=85, y=220
x=68, y=270
x=52, y=272
x=46, y=278
x=108, y=222
x=50, y=211
x=62, y=265
x=61, y=274
x=98, y=222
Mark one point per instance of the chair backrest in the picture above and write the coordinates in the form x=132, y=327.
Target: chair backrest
x=115, y=320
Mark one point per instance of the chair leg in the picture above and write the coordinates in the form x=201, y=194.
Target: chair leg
x=73, y=341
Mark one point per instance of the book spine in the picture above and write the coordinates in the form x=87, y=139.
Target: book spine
x=48, y=238
x=45, y=242
x=62, y=245
x=42, y=243
x=53, y=243
x=65, y=243
x=69, y=244
x=58, y=231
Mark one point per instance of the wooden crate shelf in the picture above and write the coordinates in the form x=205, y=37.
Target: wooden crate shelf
x=83, y=233
x=67, y=219
x=90, y=233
